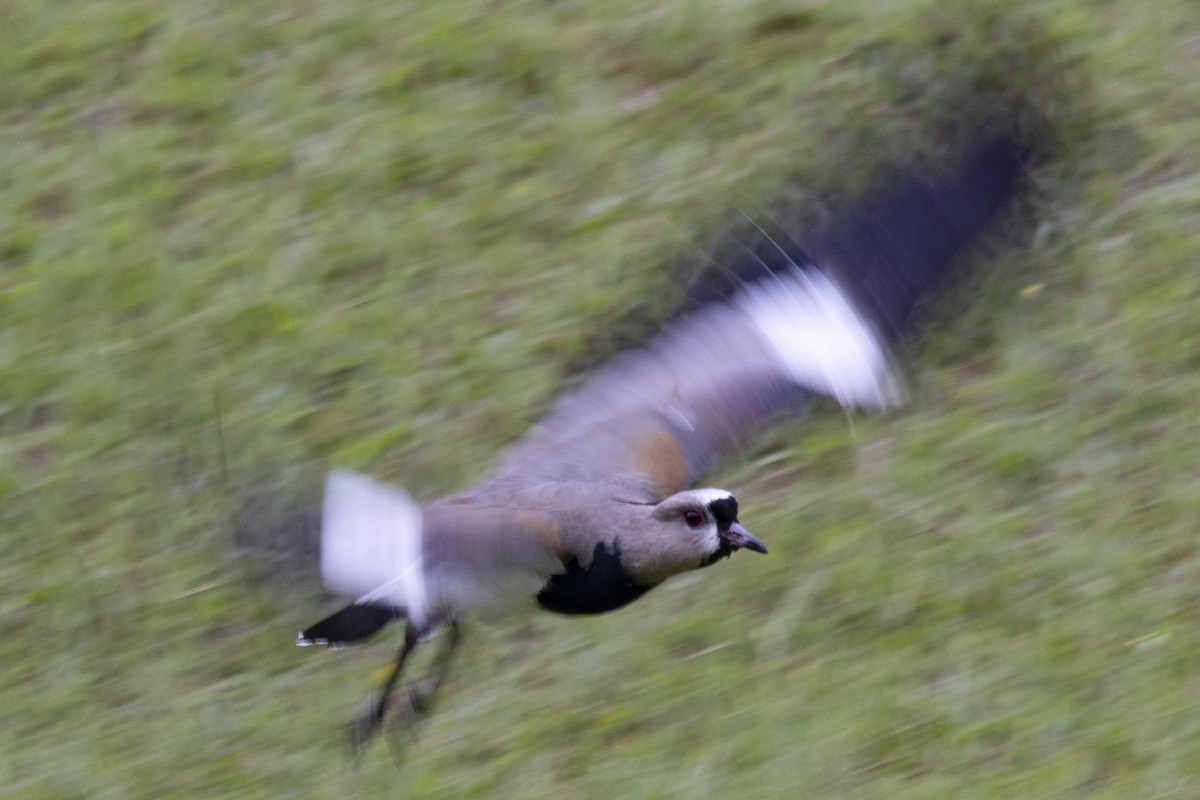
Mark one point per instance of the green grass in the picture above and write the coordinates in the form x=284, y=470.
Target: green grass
x=386, y=237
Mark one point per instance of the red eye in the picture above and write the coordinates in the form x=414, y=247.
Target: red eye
x=693, y=518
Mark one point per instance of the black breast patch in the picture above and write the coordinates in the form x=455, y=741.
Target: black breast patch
x=601, y=586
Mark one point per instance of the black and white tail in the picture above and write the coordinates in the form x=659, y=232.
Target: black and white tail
x=371, y=551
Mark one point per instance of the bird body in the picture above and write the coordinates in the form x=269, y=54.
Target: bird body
x=596, y=506
x=504, y=551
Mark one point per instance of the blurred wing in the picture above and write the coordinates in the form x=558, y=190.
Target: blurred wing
x=489, y=560
x=791, y=327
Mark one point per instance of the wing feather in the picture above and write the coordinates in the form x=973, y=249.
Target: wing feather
x=657, y=416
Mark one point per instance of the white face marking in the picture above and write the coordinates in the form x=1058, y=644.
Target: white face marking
x=820, y=339
x=706, y=496
x=708, y=531
x=709, y=537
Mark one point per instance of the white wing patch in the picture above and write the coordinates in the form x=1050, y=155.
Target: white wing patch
x=820, y=340
x=371, y=538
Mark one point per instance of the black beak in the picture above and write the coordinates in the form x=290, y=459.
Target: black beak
x=739, y=538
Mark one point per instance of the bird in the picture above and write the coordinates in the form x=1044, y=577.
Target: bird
x=599, y=503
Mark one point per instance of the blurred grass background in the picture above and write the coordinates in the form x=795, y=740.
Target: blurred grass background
x=386, y=235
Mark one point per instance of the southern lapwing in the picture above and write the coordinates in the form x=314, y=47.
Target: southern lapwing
x=596, y=506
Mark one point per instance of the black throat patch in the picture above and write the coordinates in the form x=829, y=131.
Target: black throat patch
x=724, y=512
x=602, y=586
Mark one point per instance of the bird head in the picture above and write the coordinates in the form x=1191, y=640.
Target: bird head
x=706, y=520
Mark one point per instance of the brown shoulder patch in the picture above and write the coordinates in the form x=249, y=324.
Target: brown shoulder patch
x=546, y=531
x=657, y=455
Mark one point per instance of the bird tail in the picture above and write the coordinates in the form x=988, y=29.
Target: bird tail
x=355, y=623
x=371, y=550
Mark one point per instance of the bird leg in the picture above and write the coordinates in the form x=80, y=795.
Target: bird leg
x=364, y=727
x=420, y=699
x=421, y=694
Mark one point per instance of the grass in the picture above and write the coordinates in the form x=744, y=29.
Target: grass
x=385, y=237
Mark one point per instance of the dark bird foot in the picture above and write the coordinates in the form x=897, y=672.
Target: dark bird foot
x=402, y=722
x=362, y=730
x=419, y=696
